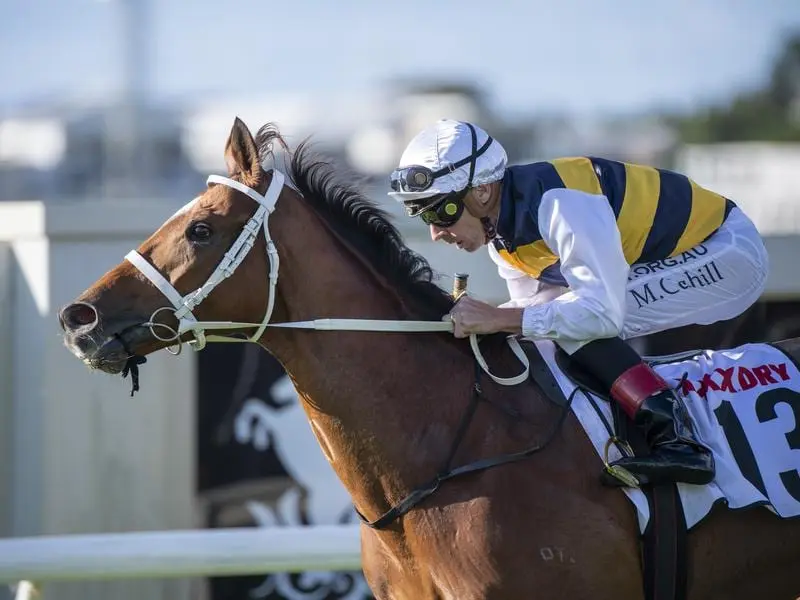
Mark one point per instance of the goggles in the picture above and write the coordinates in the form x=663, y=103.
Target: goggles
x=445, y=214
x=418, y=178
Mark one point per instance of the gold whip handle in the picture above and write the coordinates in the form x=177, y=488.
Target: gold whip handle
x=460, y=285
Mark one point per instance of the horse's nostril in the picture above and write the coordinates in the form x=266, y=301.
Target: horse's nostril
x=78, y=315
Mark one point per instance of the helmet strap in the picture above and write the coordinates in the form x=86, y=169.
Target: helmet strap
x=489, y=229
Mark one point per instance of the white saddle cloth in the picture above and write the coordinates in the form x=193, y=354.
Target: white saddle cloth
x=745, y=405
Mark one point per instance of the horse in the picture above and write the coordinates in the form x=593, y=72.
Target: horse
x=287, y=430
x=387, y=407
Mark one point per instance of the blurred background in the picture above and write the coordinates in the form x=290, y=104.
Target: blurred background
x=113, y=113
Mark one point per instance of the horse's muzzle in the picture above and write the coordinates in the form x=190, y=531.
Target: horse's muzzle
x=111, y=357
x=104, y=344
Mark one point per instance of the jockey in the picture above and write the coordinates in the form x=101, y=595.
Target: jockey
x=593, y=252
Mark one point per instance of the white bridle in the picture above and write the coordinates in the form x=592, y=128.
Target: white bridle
x=182, y=306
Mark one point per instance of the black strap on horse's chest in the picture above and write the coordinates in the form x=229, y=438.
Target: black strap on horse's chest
x=447, y=472
x=664, y=539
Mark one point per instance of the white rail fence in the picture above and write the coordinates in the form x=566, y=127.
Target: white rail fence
x=32, y=561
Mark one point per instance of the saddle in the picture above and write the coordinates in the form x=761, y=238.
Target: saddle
x=664, y=541
x=587, y=381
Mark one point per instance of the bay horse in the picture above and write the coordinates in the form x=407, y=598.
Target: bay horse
x=386, y=407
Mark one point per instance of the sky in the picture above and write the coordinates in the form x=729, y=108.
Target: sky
x=580, y=56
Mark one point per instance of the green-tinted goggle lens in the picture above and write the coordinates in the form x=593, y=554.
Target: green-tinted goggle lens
x=444, y=215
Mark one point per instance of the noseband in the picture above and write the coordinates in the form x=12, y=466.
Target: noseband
x=182, y=306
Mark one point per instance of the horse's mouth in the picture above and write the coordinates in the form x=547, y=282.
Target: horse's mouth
x=112, y=354
x=110, y=358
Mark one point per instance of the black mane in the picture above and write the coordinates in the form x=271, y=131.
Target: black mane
x=366, y=226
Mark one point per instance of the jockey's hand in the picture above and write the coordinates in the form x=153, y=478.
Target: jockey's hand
x=473, y=316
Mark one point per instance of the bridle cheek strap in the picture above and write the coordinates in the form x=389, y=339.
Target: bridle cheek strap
x=184, y=305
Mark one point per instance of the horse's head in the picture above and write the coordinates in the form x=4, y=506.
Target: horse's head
x=162, y=292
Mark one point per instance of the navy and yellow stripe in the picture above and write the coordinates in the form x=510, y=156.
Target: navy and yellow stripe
x=659, y=213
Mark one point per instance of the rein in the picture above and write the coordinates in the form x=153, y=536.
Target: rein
x=182, y=306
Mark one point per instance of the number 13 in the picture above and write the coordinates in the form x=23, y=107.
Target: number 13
x=743, y=452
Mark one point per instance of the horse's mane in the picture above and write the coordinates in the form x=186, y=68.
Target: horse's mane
x=361, y=222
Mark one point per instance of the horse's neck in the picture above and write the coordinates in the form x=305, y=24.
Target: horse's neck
x=381, y=411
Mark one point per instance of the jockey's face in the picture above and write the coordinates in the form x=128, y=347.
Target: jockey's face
x=467, y=233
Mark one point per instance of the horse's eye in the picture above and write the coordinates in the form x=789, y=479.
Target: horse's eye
x=199, y=232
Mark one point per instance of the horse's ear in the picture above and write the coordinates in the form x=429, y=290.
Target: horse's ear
x=241, y=153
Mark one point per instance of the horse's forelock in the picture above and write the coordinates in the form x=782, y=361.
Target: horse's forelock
x=265, y=139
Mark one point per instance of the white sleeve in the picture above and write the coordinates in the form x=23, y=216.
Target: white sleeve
x=523, y=290
x=581, y=230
